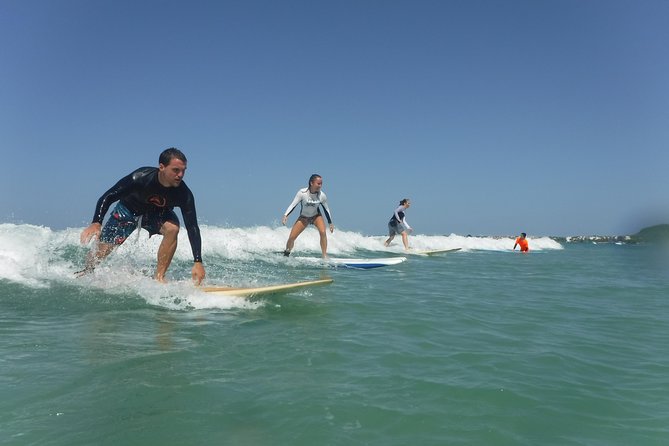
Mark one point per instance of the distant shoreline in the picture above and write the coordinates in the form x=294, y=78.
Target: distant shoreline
x=657, y=233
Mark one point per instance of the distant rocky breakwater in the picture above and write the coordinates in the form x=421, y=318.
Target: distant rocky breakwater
x=596, y=239
x=651, y=234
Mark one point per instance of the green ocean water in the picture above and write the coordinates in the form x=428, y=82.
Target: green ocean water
x=484, y=347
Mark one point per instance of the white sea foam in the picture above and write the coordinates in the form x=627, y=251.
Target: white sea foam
x=37, y=256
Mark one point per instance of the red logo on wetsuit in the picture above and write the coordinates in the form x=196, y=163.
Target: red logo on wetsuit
x=157, y=200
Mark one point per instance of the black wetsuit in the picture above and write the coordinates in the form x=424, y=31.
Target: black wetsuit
x=142, y=194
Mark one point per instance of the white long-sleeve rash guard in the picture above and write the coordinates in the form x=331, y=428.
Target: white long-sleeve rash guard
x=310, y=204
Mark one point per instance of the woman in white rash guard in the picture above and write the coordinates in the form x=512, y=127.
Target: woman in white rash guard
x=399, y=225
x=312, y=200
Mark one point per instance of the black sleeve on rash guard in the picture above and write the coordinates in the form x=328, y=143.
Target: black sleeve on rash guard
x=190, y=221
x=327, y=214
x=112, y=195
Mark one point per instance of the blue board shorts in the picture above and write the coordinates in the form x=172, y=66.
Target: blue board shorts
x=123, y=221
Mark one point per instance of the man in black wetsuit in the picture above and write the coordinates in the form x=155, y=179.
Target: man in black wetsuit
x=147, y=197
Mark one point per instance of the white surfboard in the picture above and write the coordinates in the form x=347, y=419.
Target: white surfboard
x=354, y=263
x=269, y=289
x=366, y=263
x=431, y=252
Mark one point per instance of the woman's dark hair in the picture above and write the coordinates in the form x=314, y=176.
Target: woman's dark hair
x=312, y=178
x=170, y=153
x=404, y=201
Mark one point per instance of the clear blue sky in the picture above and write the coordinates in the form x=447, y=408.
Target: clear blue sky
x=494, y=117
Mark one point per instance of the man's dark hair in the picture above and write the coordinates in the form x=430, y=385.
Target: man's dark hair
x=170, y=153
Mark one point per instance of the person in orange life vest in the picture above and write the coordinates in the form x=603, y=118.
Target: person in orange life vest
x=522, y=242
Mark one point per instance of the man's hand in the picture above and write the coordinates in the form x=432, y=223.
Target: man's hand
x=197, y=273
x=93, y=231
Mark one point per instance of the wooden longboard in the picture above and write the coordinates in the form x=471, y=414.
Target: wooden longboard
x=269, y=289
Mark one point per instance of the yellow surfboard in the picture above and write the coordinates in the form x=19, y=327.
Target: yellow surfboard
x=269, y=289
